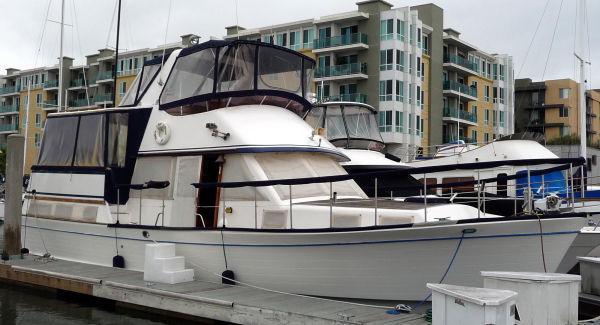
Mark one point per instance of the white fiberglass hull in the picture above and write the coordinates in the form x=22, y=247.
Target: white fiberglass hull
x=386, y=264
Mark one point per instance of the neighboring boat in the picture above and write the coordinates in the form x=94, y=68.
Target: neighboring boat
x=223, y=115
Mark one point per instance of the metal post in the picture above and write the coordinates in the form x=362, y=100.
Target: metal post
x=291, y=220
x=567, y=186
x=330, y=204
x=223, y=206
x=572, y=186
x=483, y=190
x=118, y=201
x=478, y=195
x=140, y=222
x=425, y=193
x=14, y=190
x=529, y=200
x=375, y=223
x=543, y=186
x=255, y=211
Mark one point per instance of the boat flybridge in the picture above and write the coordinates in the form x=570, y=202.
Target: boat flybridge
x=210, y=152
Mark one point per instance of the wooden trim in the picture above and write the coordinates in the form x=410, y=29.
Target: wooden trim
x=63, y=199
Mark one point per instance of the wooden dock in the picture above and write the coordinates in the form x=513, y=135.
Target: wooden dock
x=208, y=300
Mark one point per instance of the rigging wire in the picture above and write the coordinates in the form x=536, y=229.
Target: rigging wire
x=553, y=38
x=162, y=63
x=112, y=21
x=76, y=28
x=587, y=27
x=533, y=38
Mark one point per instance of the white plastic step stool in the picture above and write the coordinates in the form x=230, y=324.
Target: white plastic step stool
x=471, y=306
x=544, y=298
x=162, y=266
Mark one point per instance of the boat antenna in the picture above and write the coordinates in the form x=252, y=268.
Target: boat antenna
x=162, y=60
x=114, y=97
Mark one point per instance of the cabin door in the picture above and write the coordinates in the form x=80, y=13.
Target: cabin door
x=208, y=198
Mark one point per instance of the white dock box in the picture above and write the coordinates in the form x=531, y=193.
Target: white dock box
x=472, y=306
x=544, y=298
x=590, y=275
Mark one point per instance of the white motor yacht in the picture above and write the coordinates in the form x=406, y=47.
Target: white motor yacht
x=209, y=152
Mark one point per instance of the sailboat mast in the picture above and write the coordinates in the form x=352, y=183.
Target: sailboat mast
x=60, y=58
x=116, y=56
x=582, y=86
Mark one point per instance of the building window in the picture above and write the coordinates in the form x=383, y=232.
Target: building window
x=486, y=117
x=410, y=93
x=501, y=72
x=418, y=67
x=385, y=121
x=486, y=137
x=425, y=44
x=486, y=93
x=295, y=40
x=563, y=111
x=501, y=118
x=565, y=131
x=410, y=124
x=38, y=100
x=385, y=90
x=281, y=39
x=410, y=63
x=400, y=122
x=418, y=95
x=37, y=140
x=400, y=30
x=399, y=60
x=399, y=91
x=323, y=92
x=308, y=38
x=417, y=125
x=387, y=29
x=564, y=93
x=495, y=118
x=474, y=135
x=123, y=88
x=501, y=95
x=412, y=34
x=38, y=120
x=418, y=37
x=495, y=94
x=495, y=71
x=386, y=60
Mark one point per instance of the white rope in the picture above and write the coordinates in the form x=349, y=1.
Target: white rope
x=288, y=293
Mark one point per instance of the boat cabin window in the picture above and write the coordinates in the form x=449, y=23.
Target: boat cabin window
x=79, y=140
x=219, y=74
x=142, y=82
x=349, y=126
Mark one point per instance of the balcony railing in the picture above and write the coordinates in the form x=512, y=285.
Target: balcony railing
x=359, y=98
x=8, y=90
x=103, y=98
x=105, y=75
x=358, y=38
x=461, y=114
x=452, y=138
x=462, y=88
x=9, y=127
x=124, y=73
x=77, y=83
x=81, y=102
x=341, y=70
x=465, y=63
x=51, y=103
x=51, y=84
x=9, y=108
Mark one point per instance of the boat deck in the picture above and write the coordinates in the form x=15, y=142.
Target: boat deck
x=208, y=300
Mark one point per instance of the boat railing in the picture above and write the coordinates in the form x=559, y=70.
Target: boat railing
x=479, y=188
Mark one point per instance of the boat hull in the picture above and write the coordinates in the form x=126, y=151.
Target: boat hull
x=378, y=263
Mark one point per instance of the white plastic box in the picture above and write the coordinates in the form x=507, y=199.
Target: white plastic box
x=544, y=298
x=472, y=306
x=590, y=275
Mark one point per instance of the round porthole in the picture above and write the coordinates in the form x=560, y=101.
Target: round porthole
x=162, y=133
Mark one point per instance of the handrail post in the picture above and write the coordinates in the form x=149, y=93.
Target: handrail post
x=255, y=211
x=291, y=220
x=572, y=186
x=330, y=205
x=118, y=202
x=529, y=198
x=376, y=198
x=567, y=187
x=483, y=190
x=543, y=186
x=140, y=222
x=478, y=195
x=425, y=193
x=583, y=184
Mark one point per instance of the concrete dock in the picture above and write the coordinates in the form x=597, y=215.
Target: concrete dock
x=208, y=300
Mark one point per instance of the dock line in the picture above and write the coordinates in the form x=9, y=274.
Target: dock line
x=56, y=274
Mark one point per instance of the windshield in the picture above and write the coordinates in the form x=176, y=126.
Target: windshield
x=140, y=84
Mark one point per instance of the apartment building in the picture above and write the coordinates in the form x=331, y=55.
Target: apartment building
x=551, y=107
x=87, y=86
x=400, y=60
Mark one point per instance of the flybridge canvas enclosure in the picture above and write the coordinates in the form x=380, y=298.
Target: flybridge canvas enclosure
x=101, y=142
x=142, y=82
x=348, y=125
x=218, y=74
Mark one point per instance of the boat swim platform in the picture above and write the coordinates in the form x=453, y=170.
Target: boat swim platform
x=198, y=299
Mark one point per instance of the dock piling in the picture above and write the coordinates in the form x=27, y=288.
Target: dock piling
x=14, y=193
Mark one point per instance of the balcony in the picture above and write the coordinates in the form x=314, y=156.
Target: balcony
x=101, y=98
x=77, y=84
x=452, y=138
x=50, y=105
x=342, y=42
x=457, y=89
x=105, y=76
x=459, y=64
x=9, y=109
x=9, y=90
x=51, y=84
x=451, y=114
x=9, y=128
x=343, y=71
x=356, y=98
x=81, y=102
x=126, y=73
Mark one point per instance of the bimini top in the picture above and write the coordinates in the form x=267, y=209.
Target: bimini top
x=142, y=82
x=220, y=73
x=348, y=125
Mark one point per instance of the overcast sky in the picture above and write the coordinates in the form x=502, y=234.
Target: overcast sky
x=500, y=26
